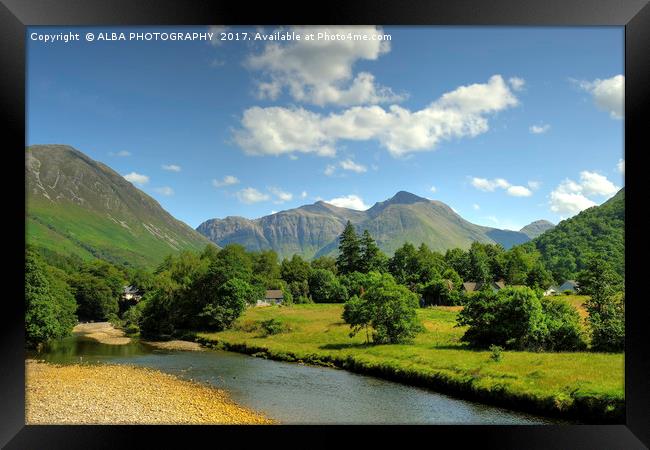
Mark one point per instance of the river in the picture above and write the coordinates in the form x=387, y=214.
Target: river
x=293, y=393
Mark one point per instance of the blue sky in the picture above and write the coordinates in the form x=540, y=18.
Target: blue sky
x=507, y=125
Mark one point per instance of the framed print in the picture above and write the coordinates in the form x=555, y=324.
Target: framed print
x=259, y=219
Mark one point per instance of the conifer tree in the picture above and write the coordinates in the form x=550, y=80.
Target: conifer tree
x=349, y=250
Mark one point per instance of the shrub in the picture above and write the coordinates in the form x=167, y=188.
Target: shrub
x=273, y=326
x=495, y=353
x=516, y=318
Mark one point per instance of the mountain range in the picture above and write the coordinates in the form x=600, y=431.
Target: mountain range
x=313, y=230
x=76, y=205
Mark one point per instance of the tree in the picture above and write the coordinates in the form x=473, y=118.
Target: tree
x=356, y=313
x=233, y=261
x=265, y=265
x=440, y=292
x=325, y=262
x=405, y=265
x=479, y=264
x=458, y=259
x=349, y=250
x=49, y=305
x=372, y=259
x=96, y=300
x=227, y=304
x=390, y=309
x=451, y=275
x=295, y=269
x=606, y=312
x=324, y=287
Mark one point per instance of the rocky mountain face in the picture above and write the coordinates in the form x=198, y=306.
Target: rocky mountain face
x=313, y=230
x=81, y=206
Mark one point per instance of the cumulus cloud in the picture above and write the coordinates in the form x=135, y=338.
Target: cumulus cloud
x=280, y=195
x=121, y=153
x=539, y=129
x=534, y=185
x=621, y=166
x=164, y=190
x=433, y=189
x=136, y=178
x=517, y=83
x=228, y=180
x=483, y=184
x=321, y=72
x=571, y=197
x=348, y=164
x=251, y=195
x=608, y=94
x=329, y=170
x=460, y=113
x=171, y=167
x=349, y=201
x=303, y=194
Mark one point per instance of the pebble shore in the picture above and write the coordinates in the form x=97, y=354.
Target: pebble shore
x=118, y=394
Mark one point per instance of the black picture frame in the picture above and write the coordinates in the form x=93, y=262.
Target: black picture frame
x=634, y=15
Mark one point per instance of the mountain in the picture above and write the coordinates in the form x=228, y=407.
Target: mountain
x=597, y=230
x=81, y=206
x=534, y=229
x=313, y=230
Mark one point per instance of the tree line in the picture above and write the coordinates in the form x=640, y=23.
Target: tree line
x=211, y=289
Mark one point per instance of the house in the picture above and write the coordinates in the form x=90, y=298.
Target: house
x=131, y=293
x=553, y=290
x=569, y=285
x=271, y=297
x=473, y=286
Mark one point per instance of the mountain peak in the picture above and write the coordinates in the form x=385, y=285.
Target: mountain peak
x=403, y=197
x=534, y=229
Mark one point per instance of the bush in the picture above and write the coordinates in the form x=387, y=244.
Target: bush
x=608, y=326
x=516, y=318
x=272, y=326
x=324, y=287
x=495, y=353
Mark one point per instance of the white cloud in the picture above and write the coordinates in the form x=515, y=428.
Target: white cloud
x=433, y=189
x=121, y=153
x=164, y=190
x=348, y=164
x=349, y=201
x=251, y=195
x=621, y=166
x=303, y=194
x=320, y=71
x=476, y=206
x=216, y=31
x=228, y=180
x=539, y=129
x=608, y=94
x=570, y=197
x=534, y=185
x=595, y=184
x=171, y=167
x=329, y=170
x=136, y=178
x=519, y=191
x=460, y=113
x=483, y=184
x=517, y=83
x=280, y=195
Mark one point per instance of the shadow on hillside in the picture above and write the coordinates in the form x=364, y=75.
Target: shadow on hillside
x=344, y=346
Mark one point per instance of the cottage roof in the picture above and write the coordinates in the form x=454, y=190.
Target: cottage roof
x=130, y=290
x=273, y=294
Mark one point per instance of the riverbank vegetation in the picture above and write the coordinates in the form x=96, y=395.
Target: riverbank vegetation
x=588, y=386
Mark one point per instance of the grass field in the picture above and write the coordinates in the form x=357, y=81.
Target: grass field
x=587, y=386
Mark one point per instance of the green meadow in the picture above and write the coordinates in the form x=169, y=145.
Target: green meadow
x=580, y=384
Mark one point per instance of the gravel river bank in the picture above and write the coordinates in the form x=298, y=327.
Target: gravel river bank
x=120, y=394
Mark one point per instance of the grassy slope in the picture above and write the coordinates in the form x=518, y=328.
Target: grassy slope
x=586, y=385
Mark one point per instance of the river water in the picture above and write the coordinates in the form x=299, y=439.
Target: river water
x=293, y=393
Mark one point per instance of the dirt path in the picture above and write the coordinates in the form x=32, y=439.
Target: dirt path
x=117, y=394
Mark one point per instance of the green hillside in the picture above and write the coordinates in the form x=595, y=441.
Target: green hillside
x=76, y=205
x=599, y=230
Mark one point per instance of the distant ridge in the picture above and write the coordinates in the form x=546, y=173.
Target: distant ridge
x=312, y=230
